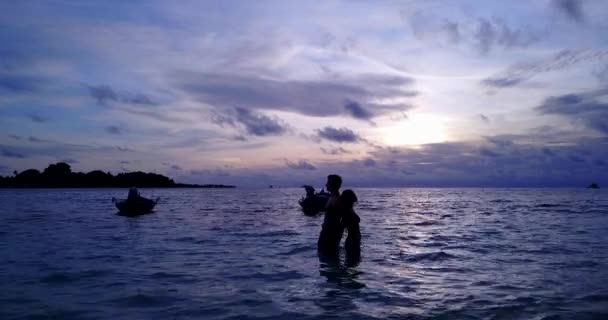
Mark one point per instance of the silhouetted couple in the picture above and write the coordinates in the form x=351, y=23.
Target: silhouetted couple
x=340, y=215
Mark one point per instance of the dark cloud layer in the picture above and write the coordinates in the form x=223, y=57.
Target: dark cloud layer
x=589, y=108
x=340, y=135
x=352, y=97
x=502, y=162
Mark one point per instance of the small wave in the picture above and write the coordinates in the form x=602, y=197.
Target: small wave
x=595, y=297
x=429, y=244
x=186, y=239
x=428, y=256
x=501, y=201
x=299, y=250
x=143, y=300
x=57, y=314
x=425, y=223
x=70, y=277
x=272, y=277
x=140, y=300
x=166, y=275
x=278, y=233
x=547, y=205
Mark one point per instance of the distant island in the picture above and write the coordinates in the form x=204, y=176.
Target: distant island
x=60, y=175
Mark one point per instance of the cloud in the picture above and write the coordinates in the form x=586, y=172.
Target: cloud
x=19, y=84
x=369, y=162
x=334, y=151
x=104, y=95
x=602, y=74
x=11, y=154
x=239, y=138
x=258, y=124
x=478, y=32
x=340, y=135
x=548, y=152
x=488, y=153
x=313, y=98
x=357, y=111
x=500, y=141
x=70, y=161
x=252, y=122
x=497, y=33
x=453, y=31
x=124, y=149
x=587, y=108
x=518, y=73
x=300, y=165
x=485, y=35
x=513, y=162
x=16, y=137
x=37, y=118
x=114, y=130
x=572, y=9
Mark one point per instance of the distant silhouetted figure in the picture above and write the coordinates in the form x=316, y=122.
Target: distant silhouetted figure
x=350, y=221
x=331, y=231
x=133, y=194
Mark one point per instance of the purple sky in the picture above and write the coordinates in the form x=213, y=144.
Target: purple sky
x=385, y=93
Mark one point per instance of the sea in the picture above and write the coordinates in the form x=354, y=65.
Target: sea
x=251, y=254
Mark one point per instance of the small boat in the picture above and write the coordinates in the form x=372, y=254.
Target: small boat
x=137, y=207
x=593, y=186
x=314, y=202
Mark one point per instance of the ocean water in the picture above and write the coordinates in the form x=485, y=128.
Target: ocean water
x=251, y=254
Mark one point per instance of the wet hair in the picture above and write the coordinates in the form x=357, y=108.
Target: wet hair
x=334, y=180
x=349, y=196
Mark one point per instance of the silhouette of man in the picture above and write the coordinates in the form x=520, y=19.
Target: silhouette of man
x=332, y=229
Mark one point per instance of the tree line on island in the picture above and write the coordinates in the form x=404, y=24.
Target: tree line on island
x=60, y=175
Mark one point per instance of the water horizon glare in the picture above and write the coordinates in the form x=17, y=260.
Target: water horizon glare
x=427, y=253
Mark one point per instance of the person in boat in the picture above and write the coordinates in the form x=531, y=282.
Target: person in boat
x=350, y=222
x=133, y=194
x=331, y=230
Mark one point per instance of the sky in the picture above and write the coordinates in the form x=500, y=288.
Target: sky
x=433, y=93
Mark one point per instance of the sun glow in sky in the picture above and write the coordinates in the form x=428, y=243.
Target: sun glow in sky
x=416, y=130
x=252, y=93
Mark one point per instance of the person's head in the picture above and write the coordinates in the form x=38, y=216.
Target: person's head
x=310, y=191
x=133, y=192
x=348, y=198
x=334, y=182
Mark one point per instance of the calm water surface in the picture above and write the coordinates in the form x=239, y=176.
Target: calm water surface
x=249, y=254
